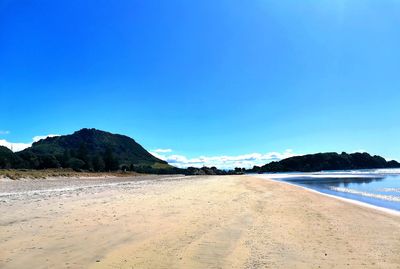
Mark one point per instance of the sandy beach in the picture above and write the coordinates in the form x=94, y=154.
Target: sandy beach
x=188, y=222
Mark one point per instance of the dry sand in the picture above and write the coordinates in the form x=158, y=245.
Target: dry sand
x=192, y=222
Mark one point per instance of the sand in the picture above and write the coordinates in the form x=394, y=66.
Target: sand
x=188, y=222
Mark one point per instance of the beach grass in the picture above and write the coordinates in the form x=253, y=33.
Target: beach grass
x=16, y=174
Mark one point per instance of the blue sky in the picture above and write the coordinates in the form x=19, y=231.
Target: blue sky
x=205, y=78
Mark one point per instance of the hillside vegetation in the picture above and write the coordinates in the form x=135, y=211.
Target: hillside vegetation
x=94, y=151
x=326, y=161
x=86, y=149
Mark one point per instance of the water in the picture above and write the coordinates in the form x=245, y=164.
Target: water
x=379, y=187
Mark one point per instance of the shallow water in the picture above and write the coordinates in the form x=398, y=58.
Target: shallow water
x=379, y=187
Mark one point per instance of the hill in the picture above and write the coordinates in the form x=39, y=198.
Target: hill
x=327, y=161
x=86, y=149
x=98, y=151
x=93, y=150
x=8, y=159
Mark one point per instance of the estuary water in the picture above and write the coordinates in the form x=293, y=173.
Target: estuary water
x=378, y=187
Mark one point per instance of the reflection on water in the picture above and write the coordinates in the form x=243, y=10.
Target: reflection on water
x=334, y=181
x=380, y=187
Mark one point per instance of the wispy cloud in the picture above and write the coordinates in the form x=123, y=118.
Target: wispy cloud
x=359, y=151
x=21, y=146
x=2, y=132
x=225, y=161
x=162, y=150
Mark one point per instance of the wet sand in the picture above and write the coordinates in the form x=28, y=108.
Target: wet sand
x=188, y=222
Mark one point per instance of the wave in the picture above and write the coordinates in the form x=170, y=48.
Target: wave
x=384, y=171
x=391, y=198
x=319, y=175
x=390, y=189
x=366, y=173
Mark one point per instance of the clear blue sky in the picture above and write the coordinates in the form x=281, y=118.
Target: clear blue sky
x=205, y=77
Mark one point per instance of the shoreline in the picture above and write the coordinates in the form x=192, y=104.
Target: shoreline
x=348, y=200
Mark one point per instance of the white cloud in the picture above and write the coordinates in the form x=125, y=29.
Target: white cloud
x=225, y=161
x=21, y=146
x=162, y=150
x=4, y=132
x=359, y=151
x=14, y=146
x=40, y=137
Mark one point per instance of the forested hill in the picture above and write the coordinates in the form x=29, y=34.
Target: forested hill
x=86, y=149
x=8, y=159
x=97, y=151
x=326, y=161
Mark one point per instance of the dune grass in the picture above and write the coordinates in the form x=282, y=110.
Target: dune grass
x=47, y=173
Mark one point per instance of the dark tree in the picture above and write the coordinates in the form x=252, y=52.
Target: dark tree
x=48, y=161
x=110, y=162
x=76, y=164
x=98, y=163
x=83, y=154
x=65, y=158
